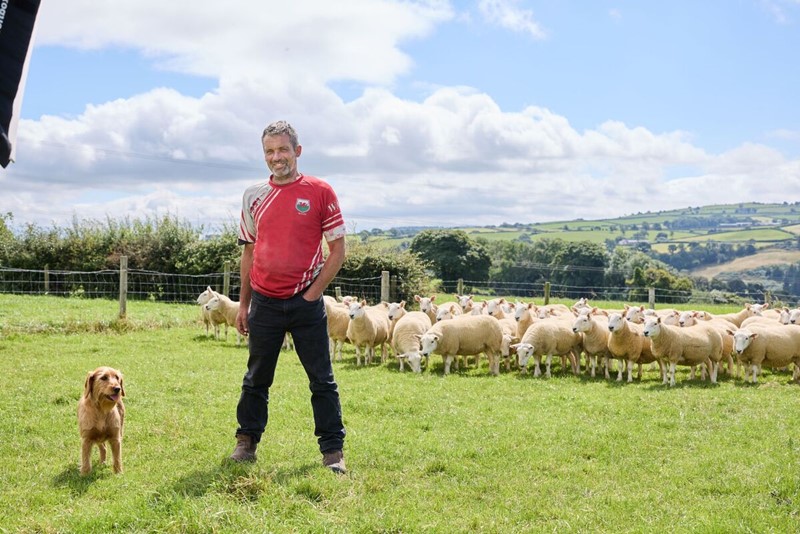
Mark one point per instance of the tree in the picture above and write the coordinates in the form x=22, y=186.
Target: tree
x=452, y=255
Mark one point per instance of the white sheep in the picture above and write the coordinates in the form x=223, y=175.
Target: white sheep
x=427, y=306
x=469, y=335
x=222, y=307
x=338, y=321
x=548, y=338
x=690, y=318
x=593, y=328
x=369, y=327
x=699, y=344
x=406, y=338
x=773, y=346
x=627, y=343
x=208, y=320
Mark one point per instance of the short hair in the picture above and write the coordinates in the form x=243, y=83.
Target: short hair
x=281, y=128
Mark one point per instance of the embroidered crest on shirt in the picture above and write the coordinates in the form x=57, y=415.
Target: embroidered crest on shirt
x=302, y=205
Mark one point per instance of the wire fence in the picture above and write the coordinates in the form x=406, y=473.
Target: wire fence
x=183, y=288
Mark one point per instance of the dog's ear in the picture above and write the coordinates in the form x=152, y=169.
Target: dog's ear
x=121, y=387
x=88, y=385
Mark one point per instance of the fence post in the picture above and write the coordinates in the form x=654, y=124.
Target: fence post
x=337, y=291
x=546, y=293
x=385, y=286
x=226, y=279
x=460, y=287
x=123, y=287
x=651, y=297
x=46, y=279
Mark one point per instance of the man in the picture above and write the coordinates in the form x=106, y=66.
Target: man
x=283, y=276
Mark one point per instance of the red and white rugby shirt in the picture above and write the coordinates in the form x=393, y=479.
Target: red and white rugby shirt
x=287, y=223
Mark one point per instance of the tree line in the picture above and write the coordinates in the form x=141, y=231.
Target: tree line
x=434, y=261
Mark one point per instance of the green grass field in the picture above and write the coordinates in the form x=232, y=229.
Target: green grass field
x=425, y=453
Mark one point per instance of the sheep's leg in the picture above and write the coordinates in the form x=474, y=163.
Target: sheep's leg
x=630, y=371
x=672, y=366
x=575, y=362
x=447, y=361
x=358, y=355
x=537, y=361
x=639, y=371
x=606, y=365
x=620, y=370
x=755, y=374
x=549, y=363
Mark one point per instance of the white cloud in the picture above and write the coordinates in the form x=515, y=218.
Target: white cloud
x=507, y=14
x=455, y=157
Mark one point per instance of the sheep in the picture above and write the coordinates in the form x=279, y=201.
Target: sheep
x=547, y=338
x=405, y=340
x=689, y=319
x=627, y=343
x=773, y=346
x=221, y=306
x=468, y=306
x=466, y=336
x=369, y=327
x=209, y=321
x=427, y=306
x=593, y=327
x=338, y=321
x=701, y=343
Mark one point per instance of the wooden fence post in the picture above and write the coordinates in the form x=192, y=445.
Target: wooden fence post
x=460, y=286
x=46, y=279
x=651, y=297
x=337, y=291
x=226, y=279
x=385, y=286
x=546, y=293
x=123, y=287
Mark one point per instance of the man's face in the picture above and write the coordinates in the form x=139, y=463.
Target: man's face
x=280, y=156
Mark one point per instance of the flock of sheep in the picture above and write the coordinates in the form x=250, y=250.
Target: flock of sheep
x=516, y=332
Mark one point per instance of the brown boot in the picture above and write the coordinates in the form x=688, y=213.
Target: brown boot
x=245, y=450
x=334, y=460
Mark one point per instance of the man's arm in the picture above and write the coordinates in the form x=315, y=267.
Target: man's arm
x=332, y=265
x=246, y=291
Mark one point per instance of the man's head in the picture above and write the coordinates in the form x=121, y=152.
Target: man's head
x=281, y=150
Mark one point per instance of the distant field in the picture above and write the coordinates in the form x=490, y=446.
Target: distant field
x=770, y=257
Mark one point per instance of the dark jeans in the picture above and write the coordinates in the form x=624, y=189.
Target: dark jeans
x=269, y=320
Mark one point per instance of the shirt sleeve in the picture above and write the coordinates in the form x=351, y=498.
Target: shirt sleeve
x=333, y=226
x=247, y=225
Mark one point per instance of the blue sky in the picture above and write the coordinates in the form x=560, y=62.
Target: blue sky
x=419, y=113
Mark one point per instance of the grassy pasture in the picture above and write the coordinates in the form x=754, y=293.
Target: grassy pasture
x=426, y=453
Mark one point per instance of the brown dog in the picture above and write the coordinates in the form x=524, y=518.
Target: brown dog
x=101, y=415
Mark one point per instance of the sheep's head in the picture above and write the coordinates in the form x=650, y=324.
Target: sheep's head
x=742, y=339
x=397, y=310
x=356, y=309
x=214, y=303
x=652, y=327
x=414, y=360
x=524, y=352
x=615, y=322
x=429, y=342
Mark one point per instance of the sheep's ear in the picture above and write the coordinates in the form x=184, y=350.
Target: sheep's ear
x=403, y=304
x=418, y=337
x=433, y=297
x=88, y=385
x=417, y=298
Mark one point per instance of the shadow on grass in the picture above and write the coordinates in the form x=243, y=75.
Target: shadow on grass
x=241, y=481
x=71, y=478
